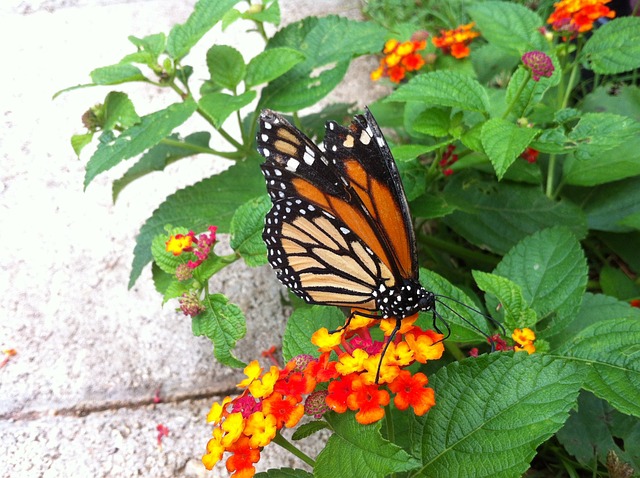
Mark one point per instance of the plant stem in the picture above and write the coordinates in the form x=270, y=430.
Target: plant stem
x=391, y=434
x=454, y=350
x=200, y=149
x=551, y=176
x=517, y=95
x=287, y=445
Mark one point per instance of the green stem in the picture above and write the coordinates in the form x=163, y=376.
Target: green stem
x=200, y=149
x=388, y=420
x=287, y=445
x=454, y=350
x=551, y=176
x=517, y=95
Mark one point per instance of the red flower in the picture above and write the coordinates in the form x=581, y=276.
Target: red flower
x=410, y=390
x=455, y=42
x=287, y=411
x=369, y=400
x=243, y=458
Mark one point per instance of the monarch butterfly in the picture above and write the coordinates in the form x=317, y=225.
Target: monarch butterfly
x=339, y=231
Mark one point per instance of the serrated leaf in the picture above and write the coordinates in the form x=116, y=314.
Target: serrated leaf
x=271, y=64
x=551, y=269
x=116, y=74
x=611, y=348
x=205, y=15
x=246, y=231
x=607, y=205
x=499, y=407
x=301, y=326
x=224, y=324
x=226, y=66
x=212, y=201
x=147, y=133
x=161, y=280
x=503, y=142
x=308, y=429
x=409, y=152
x=271, y=14
x=510, y=26
x=595, y=427
x=174, y=290
x=523, y=93
x=165, y=260
x=553, y=141
x=615, y=46
x=497, y=216
x=618, y=163
x=433, y=121
x=328, y=46
x=218, y=106
x=359, y=450
x=153, y=44
x=284, y=473
x=444, y=88
x=597, y=133
x=517, y=313
x=595, y=308
x=118, y=111
x=466, y=325
x=160, y=156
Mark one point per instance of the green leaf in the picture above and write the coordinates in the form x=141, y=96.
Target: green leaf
x=118, y=111
x=218, y=106
x=160, y=156
x=597, y=133
x=595, y=308
x=444, y=88
x=205, y=15
x=271, y=14
x=623, y=100
x=608, y=205
x=503, y=142
x=147, y=133
x=165, y=260
x=284, y=473
x=271, y=64
x=224, y=324
x=359, y=450
x=116, y=74
x=154, y=44
x=328, y=46
x=595, y=427
x=510, y=26
x=614, y=47
x=616, y=283
x=466, y=325
x=523, y=93
x=499, y=407
x=430, y=206
x=174, y=290
x=226, y=66
x=212, y=201
x=301, y=326
x=433, y=121
x=246, y=231
x=517, y=313
x=409, y=152
x=551, y=269
x=611, y=348
x=79, y=141
x=307, y=429
x=498, y=216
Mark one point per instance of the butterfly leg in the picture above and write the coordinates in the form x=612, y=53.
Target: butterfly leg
x=386, y=346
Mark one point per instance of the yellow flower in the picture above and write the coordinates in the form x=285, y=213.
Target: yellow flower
x=387, y=325
x=426, y=345
x=524, y=338
x=260, y=428
x=252, y=371
x=178, y=243
x=215, y=450
x=348, y=363
x=326, y=341
x=217, y=409
x=359, y=321
x=264, y=387
x=233, y=426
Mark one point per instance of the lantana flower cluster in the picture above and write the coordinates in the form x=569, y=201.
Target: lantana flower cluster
x=456, y=42
x=280, y=397
x=400, y=58
x=577, y=16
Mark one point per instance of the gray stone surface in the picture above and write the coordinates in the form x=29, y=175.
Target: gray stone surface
x=77, y=399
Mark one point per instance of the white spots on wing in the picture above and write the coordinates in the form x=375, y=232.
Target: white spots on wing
x=265, y=152
x=365, y=138
x=267, y=126
x=265, y=137
x=292, y=164
x=380, y=141
x=348, y=141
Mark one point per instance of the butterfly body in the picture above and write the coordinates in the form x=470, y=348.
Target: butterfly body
x=339, y=232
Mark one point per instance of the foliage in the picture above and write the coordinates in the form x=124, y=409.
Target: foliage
x=524, y=185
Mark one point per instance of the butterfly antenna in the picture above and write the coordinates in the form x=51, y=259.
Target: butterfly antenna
x=490, y=319
x=473, y=326
x=386, y=346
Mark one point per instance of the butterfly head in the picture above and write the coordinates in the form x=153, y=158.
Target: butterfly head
x=404, y=300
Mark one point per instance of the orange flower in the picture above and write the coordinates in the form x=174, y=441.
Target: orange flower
x=400, y=58
x=287, y=410
x=369, y=400
x=524, y=338
x=178, y=243
x=577, y=16
x=243, y=458
x=455, y=42
x=339, y=391
x=410, y=390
